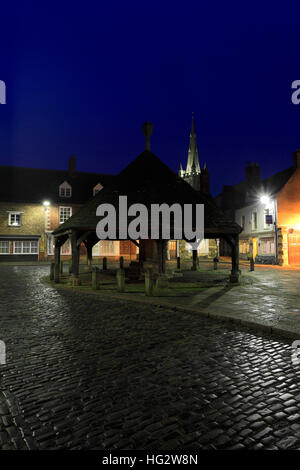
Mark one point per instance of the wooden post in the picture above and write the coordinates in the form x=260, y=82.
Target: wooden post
x=178, y=262
x=52, y=271
x=121, y=280
x=75, y=255
x=89, y=254
x=161, y=252
x=164, y=254
x=149, y=283
x=121, y=261
x=104, y=263
x=195, y=260
x=56, y=260
x=234, y=277
x=95, y=278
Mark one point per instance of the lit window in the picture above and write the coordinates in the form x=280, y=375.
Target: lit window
x=107, y=247
x=267, y=246
x=64, y=214
x=65, y=190
x=4, y=247
x=50, y=245
x=244, y=246
x=66, y=248
x=14, y=219
x=28, y=247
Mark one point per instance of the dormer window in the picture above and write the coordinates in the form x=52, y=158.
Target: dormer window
x=97, y=188
x=65, y=189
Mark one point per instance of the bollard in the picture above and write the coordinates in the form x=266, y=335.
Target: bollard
x=121, y=261
x=178, y=262
x=104, y=264
x=162, y=282
x=121, y=280
x=61, y=267
x=52, y=272
x=95, y=278
x=149, y=283
x=216, y=263
x=251, y=264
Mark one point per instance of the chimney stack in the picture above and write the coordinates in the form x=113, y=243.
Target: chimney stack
x=72, y=166
x=204, y=181
x=296, y=158
x=252, y=174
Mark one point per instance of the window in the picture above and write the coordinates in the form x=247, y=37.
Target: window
x=97, y=188
x=14, y=219
x=66, y=248
x=64, y=214
x=243, y=221
x=26, y=247
x=65, y=189
x=96, y=249
x=254, y=220
x=244, y=246
x=4, y=247
x=267, y=246
x=268, y=219
x=50, y=245
x=106, y=247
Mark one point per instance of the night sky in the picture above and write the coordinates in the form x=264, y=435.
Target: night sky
x=82, y=77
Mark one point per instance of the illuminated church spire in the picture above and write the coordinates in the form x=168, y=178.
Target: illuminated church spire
x=199, y=180
x=193, y=165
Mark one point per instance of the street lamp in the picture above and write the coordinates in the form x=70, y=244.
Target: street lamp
x=46, y=203
x=272, y=203
x=264, y=199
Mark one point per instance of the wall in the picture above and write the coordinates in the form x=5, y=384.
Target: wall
x=33, y=219
x=288, y=209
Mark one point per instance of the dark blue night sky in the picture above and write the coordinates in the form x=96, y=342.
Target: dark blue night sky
x=83, y=76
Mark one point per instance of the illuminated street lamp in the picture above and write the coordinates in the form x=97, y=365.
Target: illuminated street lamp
x=264, y=199
x=46, y=203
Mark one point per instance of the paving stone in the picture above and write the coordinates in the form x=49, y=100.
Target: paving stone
x=287, y=443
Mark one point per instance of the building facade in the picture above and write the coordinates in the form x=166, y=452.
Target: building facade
x=269, y=212
x=35, y=202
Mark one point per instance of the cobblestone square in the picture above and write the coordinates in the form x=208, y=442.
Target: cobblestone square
x=89, y=373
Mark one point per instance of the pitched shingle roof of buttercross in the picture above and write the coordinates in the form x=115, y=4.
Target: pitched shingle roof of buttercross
x=147, y=180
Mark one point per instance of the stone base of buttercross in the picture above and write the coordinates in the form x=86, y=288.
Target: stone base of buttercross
x=234, y=278
x=74, y=281
x=162, y=282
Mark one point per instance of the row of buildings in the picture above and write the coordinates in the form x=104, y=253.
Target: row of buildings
x=34, y=202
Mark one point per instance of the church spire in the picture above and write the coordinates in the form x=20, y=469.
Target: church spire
x=193, y=165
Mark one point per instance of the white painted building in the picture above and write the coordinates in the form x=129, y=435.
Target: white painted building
x=258, y=237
